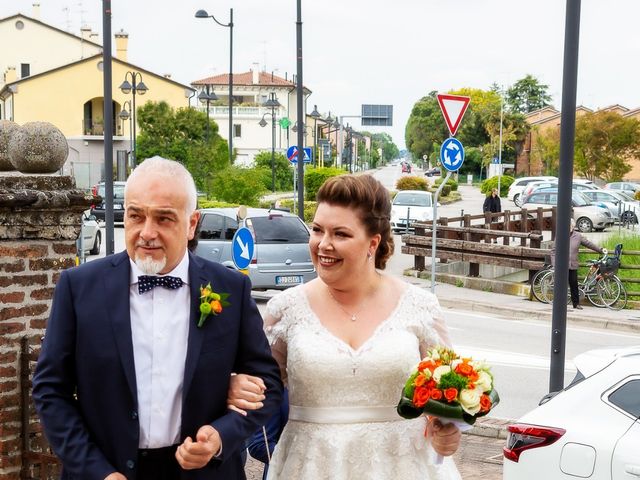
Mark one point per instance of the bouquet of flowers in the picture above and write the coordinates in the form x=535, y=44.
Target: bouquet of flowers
x=454, y=389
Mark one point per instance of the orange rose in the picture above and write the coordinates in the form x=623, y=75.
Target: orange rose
x=431, y=384
x=426, y=365
x=464, y=369
x=436, y=394
x=450, y=394
x=216, y=306
x=420, y=380
x=420, y=396
x=485, y=403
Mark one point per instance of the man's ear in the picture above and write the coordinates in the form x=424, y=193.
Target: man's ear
x=193, y=223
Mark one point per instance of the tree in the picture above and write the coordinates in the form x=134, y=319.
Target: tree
x=382, y=141
x=528, y=95
x=425, y=128
x=182, y=135
x=605, y=141
x=283, y=169
x=546, y=149
x=242, y=186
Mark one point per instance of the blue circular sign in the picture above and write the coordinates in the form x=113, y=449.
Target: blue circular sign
x=242, y=249
x=452, y=154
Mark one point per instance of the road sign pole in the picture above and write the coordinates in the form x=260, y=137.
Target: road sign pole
x=433, y=232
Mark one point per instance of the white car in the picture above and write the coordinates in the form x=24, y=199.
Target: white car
x=618, y=206
x=516, y=188
x=591, y=429
x=414, y=205
x=91, y=236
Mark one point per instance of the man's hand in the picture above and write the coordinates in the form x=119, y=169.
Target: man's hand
x=445, y=439
x=192, y=455
x=115, y=476
x=245, y=393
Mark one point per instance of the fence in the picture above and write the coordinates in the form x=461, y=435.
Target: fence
x=632, y=284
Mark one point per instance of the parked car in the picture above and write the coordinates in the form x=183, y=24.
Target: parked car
x=416, y=205
x=631, y=187
x=619, y=207
x=90, y=237
x=590, y=429
x=406, y=167
x=433, y=172
x=118, y=201
x=578, y=184
x=281, y=257
x=587, y=216
x=516, y=188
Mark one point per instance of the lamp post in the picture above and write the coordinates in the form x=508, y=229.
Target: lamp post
x=273, y=103
x=124, y=115
x=136, y=86
x=315, y=115
x=204, y=14
x=331, y=122
x=206, y=96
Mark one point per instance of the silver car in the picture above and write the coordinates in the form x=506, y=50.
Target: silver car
x=281, y=256
x=618, y=205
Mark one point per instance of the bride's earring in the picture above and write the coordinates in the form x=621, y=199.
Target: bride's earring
x=369, y=256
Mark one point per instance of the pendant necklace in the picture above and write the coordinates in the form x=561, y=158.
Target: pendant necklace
x=352, y=316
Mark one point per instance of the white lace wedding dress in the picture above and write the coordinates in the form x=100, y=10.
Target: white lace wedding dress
x=343, y=423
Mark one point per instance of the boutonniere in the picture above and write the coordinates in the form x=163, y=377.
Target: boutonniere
x=211, y=303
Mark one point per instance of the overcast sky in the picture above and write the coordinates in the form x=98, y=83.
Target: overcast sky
x=377, y=51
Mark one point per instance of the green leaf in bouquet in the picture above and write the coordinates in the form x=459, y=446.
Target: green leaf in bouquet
x=409, y=387
x=406, y=408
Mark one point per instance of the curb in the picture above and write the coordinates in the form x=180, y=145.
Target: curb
x=491, y=427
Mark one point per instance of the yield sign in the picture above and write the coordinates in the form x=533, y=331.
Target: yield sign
x=453, y=108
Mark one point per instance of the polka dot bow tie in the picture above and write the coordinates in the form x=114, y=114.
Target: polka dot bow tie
x=149, y=282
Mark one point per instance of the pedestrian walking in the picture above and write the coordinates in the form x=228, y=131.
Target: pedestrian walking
x=492, y=202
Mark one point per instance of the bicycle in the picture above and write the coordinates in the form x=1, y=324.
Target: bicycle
x=601, y=286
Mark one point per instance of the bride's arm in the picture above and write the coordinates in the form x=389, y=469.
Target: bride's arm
x=278, y=345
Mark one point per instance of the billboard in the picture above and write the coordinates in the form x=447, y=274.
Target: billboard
x=377, y=115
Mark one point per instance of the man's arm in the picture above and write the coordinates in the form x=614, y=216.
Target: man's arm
x=54, y=388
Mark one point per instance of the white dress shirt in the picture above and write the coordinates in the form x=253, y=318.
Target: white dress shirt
x=159, y=331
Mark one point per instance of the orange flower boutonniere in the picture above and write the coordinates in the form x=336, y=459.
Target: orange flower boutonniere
x=211, y=303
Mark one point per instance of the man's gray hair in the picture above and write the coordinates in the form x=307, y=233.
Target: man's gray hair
x=169, y=168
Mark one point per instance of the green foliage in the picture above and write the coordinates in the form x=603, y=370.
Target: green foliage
x=453, y=380
x=182, y=135
x=528, y=95
x=215, y=204
x=604, y=143
x=425, y=129
x=637, y=195
x=243, y=186
x=412, y=183
x=446, y=190
x=451, y=182
x=491, y=183
x=283, y=170
x=547, y=149
x=315, y=177
x=309, y=208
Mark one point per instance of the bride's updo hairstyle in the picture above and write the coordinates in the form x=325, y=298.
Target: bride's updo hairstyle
x=370, y=200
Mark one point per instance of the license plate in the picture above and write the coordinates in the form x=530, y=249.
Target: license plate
x=117, y=206
x=288, y=280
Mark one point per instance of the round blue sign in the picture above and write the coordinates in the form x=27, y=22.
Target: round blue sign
x=452, y=154
x=242, y=248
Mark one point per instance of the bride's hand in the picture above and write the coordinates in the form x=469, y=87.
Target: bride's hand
x=245, y=393
x=445, y=439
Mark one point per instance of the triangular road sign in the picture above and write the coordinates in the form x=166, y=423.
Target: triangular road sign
x=453, y=108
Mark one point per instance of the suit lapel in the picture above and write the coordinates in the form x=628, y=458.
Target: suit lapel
x=118, y=309
x=197, y=277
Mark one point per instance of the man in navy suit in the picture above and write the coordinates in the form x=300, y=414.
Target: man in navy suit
x=127, y=385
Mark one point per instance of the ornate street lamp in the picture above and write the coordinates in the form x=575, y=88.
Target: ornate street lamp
x=273, y=104
x=207, y=96
x=315, y=115
x=124, y=115
x=138, y=87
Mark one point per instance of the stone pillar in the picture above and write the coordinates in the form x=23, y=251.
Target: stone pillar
x=40, y=220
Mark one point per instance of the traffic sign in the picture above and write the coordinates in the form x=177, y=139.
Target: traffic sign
x=242, y=248
x=292, y=154
x=452, y=154
x=453, y=109
x=284, y=123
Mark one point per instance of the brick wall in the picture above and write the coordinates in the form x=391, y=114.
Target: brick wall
x=39, y=222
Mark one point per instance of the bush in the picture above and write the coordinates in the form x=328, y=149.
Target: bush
x=282, y=167
x=446, y=190
x=451, y=182
x=491, y=183
x=215, y=204
x=412, y=183
x=243, y=186
x=637, y=195
x=309, y=209
x=315, y=177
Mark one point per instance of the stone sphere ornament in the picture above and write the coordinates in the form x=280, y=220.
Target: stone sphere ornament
x=38, y=147
x=7, y=129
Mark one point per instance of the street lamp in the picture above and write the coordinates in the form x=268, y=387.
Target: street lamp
x=315, y=115
x=272, y=103
x=136, y=86
x=124, y=115
x=206, y=96
x=204, y=14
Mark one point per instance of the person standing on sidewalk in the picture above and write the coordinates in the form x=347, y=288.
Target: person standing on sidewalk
x=492, y=202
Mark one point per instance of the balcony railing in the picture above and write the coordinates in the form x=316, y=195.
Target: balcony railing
x=96, y=128
x=237, y=111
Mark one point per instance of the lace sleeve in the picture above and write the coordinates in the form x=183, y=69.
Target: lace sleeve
x=433, y=329
x=275, y=326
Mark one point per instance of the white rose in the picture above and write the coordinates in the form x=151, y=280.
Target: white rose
x=455, y=363
x=439, y=371
x=470, y=401
x=434, y=354
x=484, y=382
x=480, y=365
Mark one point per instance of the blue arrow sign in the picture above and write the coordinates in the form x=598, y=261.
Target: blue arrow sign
x=292, y=154
x=452, y=154
x=242, y=250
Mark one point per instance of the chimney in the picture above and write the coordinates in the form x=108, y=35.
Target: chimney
x=85, y=32
x=10, y=75
x=94, y=37
x=35, y=13
x=167, y=75
x=255, y=74
x=122, y=42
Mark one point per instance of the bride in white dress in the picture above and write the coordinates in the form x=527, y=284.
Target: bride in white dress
x=346, y=343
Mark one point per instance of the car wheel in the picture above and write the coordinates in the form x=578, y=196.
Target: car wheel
x=516, y=200
x=96, y=245
x=584, y=225
x=629, y=217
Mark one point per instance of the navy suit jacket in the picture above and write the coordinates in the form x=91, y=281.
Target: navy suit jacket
x=84, y=387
